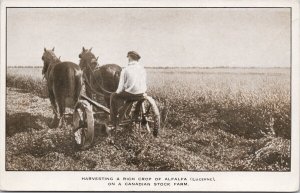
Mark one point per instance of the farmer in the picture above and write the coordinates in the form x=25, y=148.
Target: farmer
x=132, y=84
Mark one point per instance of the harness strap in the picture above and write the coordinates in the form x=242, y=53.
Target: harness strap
x=105, y=92
x=93, y=89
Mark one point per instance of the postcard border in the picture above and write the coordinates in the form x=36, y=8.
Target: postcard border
x=290, y=28
x=240, y=181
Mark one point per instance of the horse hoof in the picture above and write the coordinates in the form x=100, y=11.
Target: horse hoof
x=49, y=131
x=61, y=123
x=110, y=141
x=108, y=130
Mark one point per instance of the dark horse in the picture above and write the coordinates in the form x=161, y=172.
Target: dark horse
x=64, y=81
x=101, y=80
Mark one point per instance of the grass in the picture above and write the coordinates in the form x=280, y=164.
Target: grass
x=27, y=83
x=236, y=120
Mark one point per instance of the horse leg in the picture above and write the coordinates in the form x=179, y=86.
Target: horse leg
x=109, y=131
x=61, y=107
x=78, y=87
x=54, y=108
x=107, y=128
x=88, y=91
x=107, y=101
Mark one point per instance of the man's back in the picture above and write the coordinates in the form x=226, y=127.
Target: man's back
x=133, y=79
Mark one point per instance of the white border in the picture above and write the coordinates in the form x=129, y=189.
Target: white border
x=225, y=181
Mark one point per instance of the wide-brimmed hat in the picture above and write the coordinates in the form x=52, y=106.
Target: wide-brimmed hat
x=134, y=55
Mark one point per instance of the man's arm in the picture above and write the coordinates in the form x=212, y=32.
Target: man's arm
x=121, y=82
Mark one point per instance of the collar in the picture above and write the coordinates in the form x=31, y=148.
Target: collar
x=133, y=63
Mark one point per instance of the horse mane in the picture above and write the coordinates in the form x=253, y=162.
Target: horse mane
x=53, y=61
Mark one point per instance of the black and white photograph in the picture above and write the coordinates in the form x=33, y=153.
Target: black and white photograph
x=101, y=91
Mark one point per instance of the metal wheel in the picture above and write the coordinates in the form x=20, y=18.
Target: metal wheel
x=83, y=124
x=150, y=118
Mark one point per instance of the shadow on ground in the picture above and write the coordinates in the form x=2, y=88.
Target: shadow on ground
x=22, y=122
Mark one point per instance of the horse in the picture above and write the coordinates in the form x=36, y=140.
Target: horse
x=64, y=82
x=101, y=80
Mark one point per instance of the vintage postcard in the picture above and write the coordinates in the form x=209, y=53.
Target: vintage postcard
x=153, y=95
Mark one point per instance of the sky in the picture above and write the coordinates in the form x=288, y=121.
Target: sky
x=179, y=37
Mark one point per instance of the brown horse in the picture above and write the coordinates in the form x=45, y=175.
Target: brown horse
x=101, y=80
x=64, y=81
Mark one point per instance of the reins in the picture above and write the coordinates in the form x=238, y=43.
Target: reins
x=90, y=86
x=105, y=92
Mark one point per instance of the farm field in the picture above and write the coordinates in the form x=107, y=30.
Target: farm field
x=222, y=119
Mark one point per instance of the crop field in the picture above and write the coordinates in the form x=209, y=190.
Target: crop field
x=219, y=119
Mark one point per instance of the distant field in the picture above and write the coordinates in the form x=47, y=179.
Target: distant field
x=214, y=119
x=37, y=70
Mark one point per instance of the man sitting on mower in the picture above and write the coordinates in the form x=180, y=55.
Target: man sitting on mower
x=132, y=84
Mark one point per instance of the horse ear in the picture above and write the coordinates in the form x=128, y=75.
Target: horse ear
x=83, y=49
x=53, y=48
x=91, y=49
x=97, y=58
x=45, y=49
x=59, y=57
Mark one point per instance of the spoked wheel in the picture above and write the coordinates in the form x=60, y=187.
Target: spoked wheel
x=150, y=118
x=83, y=124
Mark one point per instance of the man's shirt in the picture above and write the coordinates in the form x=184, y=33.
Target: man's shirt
x=133, y=79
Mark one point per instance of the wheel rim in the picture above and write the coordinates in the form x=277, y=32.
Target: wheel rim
x=83, y=121
x=150, y=117
x=80, y=126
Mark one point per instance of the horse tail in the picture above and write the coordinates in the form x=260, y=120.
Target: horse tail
x=69, y=83
x=117, y=78
x=78, y=84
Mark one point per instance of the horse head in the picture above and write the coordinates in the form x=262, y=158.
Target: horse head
x=88, y=61
x=84, y=51
x=49, y=58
